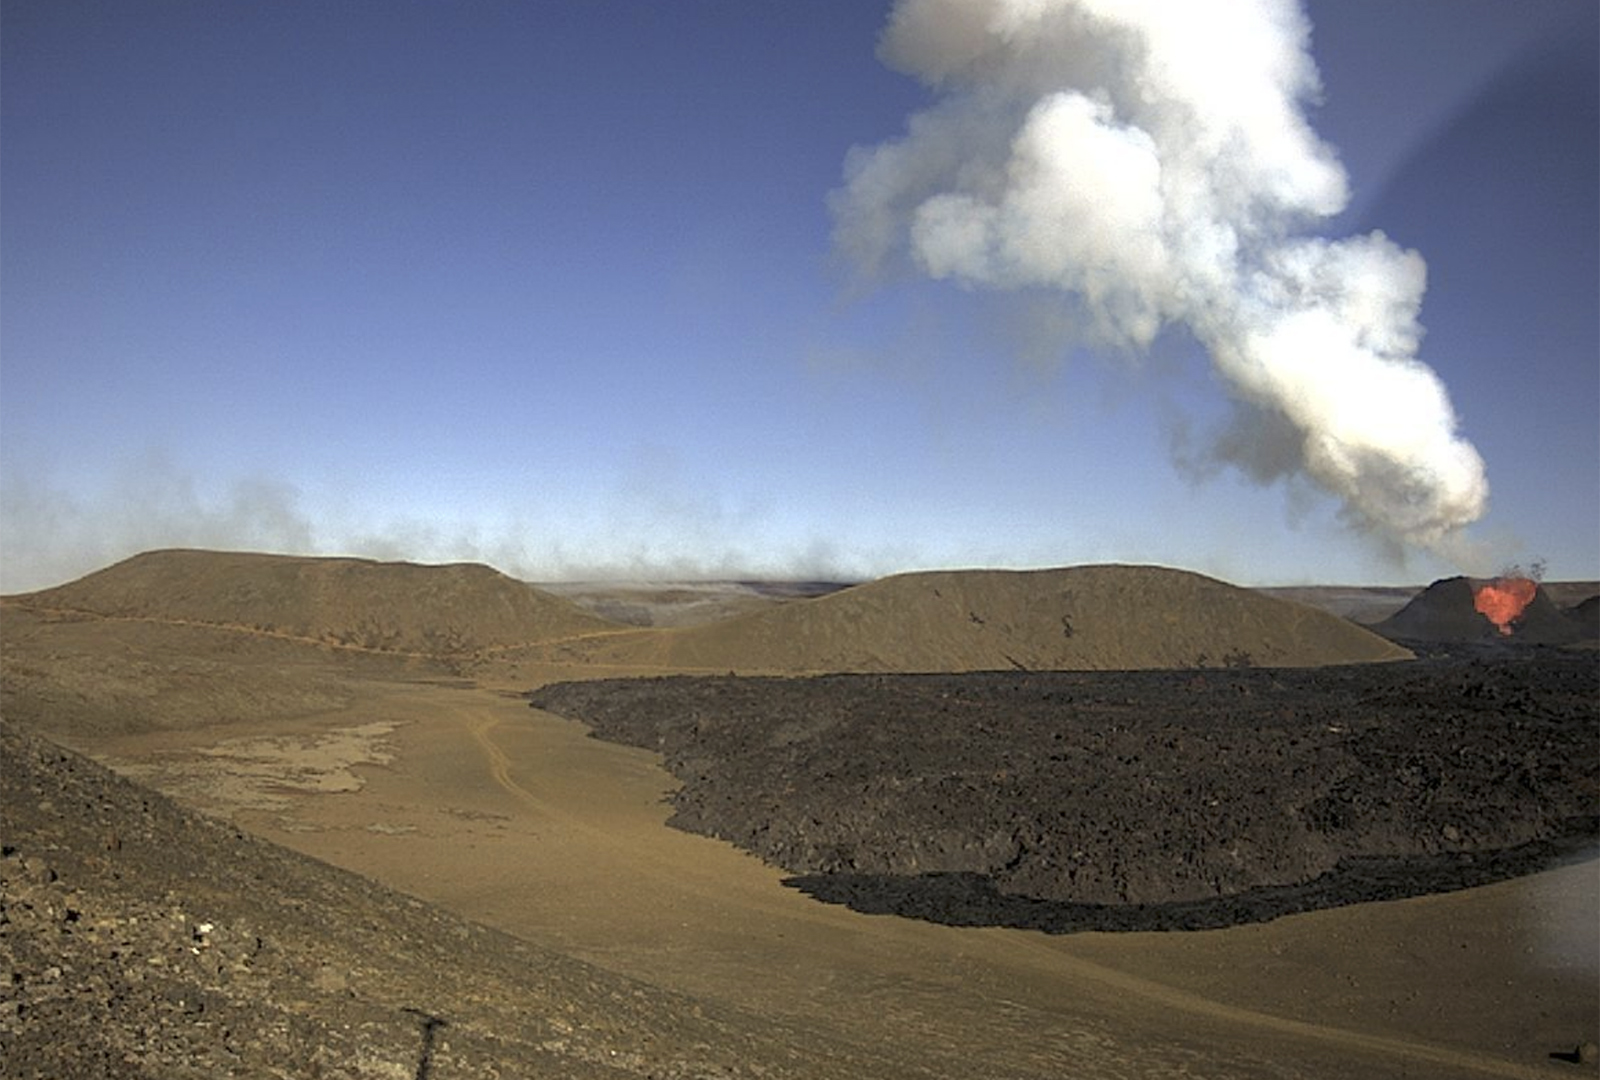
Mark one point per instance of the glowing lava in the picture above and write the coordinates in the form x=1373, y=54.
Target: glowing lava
x=1502, y=600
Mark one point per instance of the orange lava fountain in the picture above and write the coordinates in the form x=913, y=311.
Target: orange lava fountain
x=1502, y=600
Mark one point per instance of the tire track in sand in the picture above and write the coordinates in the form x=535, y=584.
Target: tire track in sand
x=639, y=853
x=500, y=770
x=480, y=725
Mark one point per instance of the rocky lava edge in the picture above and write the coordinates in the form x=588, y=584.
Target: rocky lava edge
x=1067, y=801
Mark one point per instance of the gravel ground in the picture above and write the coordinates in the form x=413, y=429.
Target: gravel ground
x=138, y=939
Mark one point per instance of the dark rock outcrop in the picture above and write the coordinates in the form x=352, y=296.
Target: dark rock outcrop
x=1129, y=799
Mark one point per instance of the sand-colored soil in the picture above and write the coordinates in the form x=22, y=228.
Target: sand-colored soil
x=453, y=790
x=517, y=819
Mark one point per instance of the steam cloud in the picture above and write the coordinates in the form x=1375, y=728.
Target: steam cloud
x=1151, y=159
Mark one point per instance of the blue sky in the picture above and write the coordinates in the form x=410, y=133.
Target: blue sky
x=554, y=286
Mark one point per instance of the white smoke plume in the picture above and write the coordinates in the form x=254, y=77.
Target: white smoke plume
x=1151, y=160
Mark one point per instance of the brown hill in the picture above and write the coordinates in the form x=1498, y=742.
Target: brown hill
x=1086, y=617
x=387, y=606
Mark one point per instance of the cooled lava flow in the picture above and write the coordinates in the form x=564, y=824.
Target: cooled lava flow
x=1502, y=600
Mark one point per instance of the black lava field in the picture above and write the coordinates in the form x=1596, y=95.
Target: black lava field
x=1067, y=801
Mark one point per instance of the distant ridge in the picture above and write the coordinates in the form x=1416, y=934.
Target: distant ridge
x=385, y=606
x=1085, y=617
x=1100, y=617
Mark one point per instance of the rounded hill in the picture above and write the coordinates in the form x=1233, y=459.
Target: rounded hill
x=388, y=606
x=1085, y=617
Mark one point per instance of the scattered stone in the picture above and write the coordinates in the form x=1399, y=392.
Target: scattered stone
x=122, y=976
x=330, y=980
x=37, y=871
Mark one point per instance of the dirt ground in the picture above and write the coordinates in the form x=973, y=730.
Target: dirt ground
x=519, y=820
x=452, y=790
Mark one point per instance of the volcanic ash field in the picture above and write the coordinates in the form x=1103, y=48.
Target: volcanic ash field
x=1103, y=748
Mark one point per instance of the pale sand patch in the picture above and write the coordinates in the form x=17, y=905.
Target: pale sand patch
x=265, y=772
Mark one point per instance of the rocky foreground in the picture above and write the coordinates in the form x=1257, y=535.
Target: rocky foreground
x=1069, y=801
x=138, y=939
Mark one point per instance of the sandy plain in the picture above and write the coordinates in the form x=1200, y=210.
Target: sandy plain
x=452, y=790
x=463, y=796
